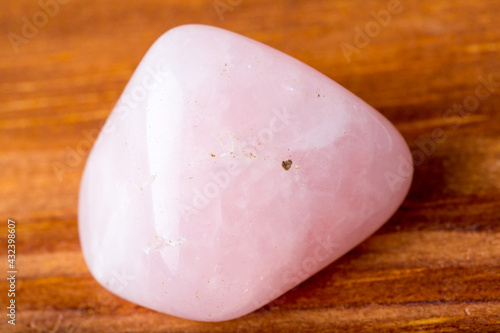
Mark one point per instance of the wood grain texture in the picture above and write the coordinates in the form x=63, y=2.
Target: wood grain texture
x=434, y=267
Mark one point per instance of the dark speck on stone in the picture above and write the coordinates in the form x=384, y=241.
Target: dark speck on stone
x=286, y=164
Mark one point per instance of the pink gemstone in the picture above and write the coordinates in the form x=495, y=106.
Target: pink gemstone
x=229, y=172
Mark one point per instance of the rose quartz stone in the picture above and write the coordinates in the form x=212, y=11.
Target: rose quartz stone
x=228, y=173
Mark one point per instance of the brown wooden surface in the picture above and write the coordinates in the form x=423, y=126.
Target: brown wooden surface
x=435, y=266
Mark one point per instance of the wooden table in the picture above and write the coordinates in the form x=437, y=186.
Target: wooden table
x=435, y=266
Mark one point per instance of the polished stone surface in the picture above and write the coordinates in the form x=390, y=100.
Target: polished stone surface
x=228, y=173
